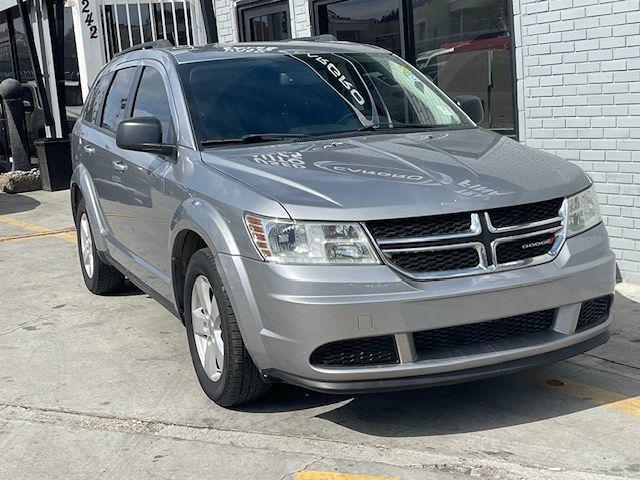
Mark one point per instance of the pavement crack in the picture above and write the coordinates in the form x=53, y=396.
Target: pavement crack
x=302, y=469
x=633, y=367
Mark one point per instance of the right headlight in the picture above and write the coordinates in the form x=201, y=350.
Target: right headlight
x=296, y=242
x=583, y=211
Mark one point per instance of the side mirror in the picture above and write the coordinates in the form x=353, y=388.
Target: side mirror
x=143, y=134
x=472, y=106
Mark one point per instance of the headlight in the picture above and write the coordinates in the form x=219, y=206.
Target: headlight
x=583, y=212
x=282, y=241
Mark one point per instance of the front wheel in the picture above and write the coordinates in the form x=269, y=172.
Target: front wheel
x=223, y=366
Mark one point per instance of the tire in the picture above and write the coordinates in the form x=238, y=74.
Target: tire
x=99, y=277
x=231, y=378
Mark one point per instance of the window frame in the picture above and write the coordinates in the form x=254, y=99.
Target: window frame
x=134, y=92
x=264, y=7
x=134, y=83
x=408, y=43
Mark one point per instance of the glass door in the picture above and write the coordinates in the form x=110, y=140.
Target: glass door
x=377, y=22
x=265, y=22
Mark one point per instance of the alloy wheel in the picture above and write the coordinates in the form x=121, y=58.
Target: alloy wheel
x=86, y=246
x=207, y=328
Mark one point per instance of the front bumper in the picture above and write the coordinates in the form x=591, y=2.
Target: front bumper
x=286, y=312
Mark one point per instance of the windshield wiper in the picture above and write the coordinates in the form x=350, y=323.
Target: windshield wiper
x=394, y=126
x=252, y=138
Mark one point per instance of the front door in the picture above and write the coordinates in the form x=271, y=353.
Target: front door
x=140, y=217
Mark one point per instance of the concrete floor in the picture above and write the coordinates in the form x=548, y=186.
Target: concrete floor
x=103, y=387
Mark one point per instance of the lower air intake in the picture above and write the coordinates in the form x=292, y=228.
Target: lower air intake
x=357, y=352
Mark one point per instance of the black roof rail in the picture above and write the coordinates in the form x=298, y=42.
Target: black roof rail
x=162, y=43
x=326, y=37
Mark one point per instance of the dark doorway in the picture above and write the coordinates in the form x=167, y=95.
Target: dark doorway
x=264, y=22
x=377, y=22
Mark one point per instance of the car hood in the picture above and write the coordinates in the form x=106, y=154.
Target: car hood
x=399, y=175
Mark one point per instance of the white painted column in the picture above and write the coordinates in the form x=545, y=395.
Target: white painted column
x=87, y=26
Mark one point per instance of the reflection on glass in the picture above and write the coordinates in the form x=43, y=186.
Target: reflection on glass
x=6, y=66
x=134, y=21
x=145, y=21
x=375, y=22
x=122, y=26
x=311, y=94
x=23, y=57
x=72, y=90
x=272, y=26
x=465, y=48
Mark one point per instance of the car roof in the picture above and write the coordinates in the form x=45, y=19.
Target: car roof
x=217, y=51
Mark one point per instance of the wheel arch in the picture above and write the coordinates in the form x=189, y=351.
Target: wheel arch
x=196, y=224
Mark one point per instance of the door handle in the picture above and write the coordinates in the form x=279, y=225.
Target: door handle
x=119, y=166
x=89, y=149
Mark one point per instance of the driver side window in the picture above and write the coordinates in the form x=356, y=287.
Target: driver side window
x=151, y=101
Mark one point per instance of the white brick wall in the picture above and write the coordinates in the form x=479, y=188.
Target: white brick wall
x=578, y=77
x=226, y=18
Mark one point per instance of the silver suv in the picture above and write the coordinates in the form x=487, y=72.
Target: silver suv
x=319, y=213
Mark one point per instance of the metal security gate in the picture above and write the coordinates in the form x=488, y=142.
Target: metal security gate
x=125, y=23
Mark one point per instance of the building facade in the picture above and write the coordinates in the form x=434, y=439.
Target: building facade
x=561, y=75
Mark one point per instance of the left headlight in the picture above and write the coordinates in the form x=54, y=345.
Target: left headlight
x=583, y=211
x=282, y=241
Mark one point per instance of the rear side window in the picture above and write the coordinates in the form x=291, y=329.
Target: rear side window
x=115, y=105
x=151, y=101
x=92, y=107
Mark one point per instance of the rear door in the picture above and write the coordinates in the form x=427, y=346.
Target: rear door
x=102, y=157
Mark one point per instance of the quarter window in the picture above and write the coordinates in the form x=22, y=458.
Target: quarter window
x=151, y=101
x=115, y=106
x=92, y=108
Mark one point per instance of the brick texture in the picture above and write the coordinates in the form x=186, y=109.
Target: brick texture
x=226, y=18
x=578, y=82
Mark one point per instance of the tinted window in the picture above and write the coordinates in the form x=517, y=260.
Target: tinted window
x=151, y=101
x=115, y=105
x=266, y=23
x=25, y=69
x=6, y=64
x=465, y=48
x=92, y=107
x=309, y=94
x=374, y=22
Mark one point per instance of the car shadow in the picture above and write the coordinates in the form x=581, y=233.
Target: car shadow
x=16, y=203
x=476, y=406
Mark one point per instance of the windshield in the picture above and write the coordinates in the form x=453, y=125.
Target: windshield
x=310, y=94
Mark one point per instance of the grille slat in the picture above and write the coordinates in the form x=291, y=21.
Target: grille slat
x=437, y=260
x=522, y=214
x=357, y=352
x=420, y=226
x=594, y=312
x=429, y=341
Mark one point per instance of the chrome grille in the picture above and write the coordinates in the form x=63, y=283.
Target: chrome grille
x=469, y=243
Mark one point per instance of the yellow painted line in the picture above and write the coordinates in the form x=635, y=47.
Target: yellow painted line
x=599, y=396
x=20, y=224
x=67, y=234
x=311, y=475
